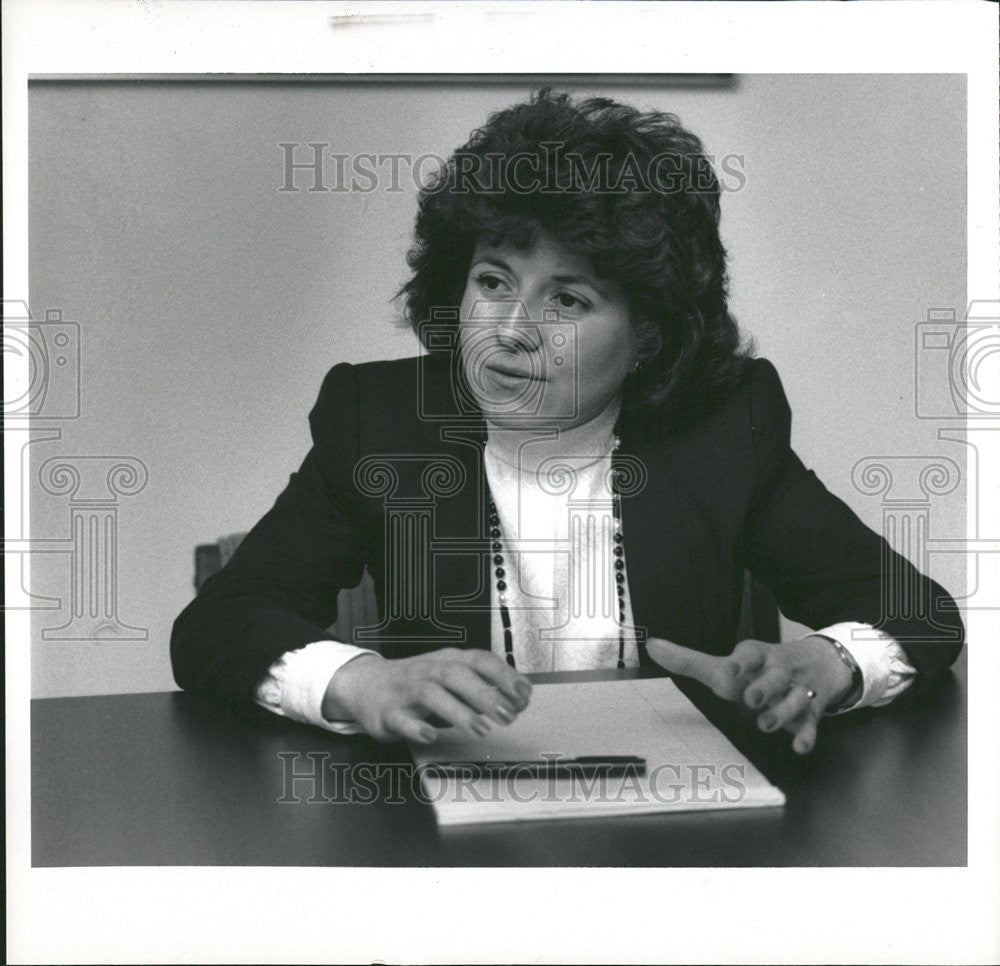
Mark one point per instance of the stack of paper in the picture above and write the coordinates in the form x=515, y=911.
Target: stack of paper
x=689, y=764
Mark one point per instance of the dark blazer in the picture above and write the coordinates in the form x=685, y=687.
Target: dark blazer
x=394, y=481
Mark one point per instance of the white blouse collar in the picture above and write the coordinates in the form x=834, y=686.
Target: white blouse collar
x=525, y=449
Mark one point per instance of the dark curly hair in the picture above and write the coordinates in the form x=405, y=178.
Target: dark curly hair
x=632, y=193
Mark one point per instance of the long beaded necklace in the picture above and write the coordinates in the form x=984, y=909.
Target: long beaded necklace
x=619, y=569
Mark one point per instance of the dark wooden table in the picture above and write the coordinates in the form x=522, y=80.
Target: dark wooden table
x=171, y=779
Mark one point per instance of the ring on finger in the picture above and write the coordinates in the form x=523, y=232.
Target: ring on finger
x=789, y=708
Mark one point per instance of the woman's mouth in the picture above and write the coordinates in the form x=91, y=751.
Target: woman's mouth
x=511, y=373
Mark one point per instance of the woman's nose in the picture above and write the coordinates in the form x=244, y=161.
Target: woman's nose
x=516, y=327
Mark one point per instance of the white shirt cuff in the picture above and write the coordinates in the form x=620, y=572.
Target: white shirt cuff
x=885, y=669
x=295, y=684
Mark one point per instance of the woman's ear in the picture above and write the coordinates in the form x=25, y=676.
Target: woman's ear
x=655, y=347
x=648, y=342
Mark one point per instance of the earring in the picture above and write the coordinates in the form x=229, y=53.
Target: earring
x=636, y=367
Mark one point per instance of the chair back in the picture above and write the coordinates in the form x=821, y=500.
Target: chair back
x=356, y=606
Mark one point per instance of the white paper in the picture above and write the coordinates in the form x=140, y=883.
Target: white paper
x=689, y=764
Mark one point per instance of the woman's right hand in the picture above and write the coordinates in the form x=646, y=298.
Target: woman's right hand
x=392, y=700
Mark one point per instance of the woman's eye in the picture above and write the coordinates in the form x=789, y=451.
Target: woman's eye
x=488, y=282
x=568, y=301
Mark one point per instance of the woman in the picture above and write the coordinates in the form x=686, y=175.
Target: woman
x=574, y=476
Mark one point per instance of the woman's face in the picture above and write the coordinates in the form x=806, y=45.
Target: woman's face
x=544, y=341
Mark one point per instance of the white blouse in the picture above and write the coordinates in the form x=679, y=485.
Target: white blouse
x=554, y=500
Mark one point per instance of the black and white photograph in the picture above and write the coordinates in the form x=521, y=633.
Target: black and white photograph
x=442, y=484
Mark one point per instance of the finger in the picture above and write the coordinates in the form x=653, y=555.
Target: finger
x=401, y=723
x=434, y=699
x=805, y=737
x=769, y=687
x=787, y=710
x=706, y=668
x=515, y=686
x=466, y=685
x=748, y=656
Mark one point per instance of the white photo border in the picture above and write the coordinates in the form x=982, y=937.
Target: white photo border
x=649, y=915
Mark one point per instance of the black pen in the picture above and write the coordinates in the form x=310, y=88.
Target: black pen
x=585, y=766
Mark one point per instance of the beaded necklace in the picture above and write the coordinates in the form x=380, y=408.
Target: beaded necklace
x=619, y=569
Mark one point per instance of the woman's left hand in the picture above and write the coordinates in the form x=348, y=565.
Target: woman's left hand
x=791, y=684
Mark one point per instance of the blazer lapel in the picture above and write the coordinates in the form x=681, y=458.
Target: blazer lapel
x=662, y=555
x=461, y=553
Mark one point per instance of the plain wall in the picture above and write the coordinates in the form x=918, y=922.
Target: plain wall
x=211, y=304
